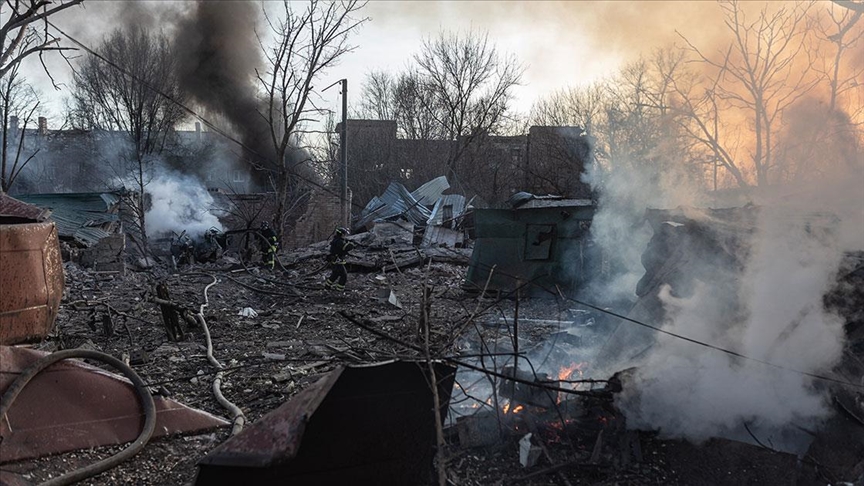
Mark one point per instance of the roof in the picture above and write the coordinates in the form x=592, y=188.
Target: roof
x=84, y=217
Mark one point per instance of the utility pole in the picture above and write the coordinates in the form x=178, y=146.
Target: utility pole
x=343, y=155
x=345, y=207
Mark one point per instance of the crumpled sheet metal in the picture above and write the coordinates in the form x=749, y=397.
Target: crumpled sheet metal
x=357, y=425
x=31, y=280
x=72, y=405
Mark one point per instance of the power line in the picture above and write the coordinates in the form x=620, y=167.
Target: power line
x=679, y=336
x=221, y=132
x=190, y=111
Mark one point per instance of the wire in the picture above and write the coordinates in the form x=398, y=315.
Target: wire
x=193, y=113
x=333, y=193
x=679, y=336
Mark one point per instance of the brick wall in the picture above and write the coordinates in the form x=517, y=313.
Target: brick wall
x=322, y=216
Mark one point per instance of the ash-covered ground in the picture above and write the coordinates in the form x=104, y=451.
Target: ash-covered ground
x=300, y=333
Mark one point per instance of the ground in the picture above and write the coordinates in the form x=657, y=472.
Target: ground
x=301, y=331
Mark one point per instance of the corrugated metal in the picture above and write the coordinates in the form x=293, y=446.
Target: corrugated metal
x=430, y=192
x=396, y=201
x=456, y=201
x=85, y=217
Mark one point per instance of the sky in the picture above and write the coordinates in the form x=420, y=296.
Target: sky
x=560, y=43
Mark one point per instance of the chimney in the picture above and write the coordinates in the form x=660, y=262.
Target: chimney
x=43, y=125
x=198, y=129
x=13, y=124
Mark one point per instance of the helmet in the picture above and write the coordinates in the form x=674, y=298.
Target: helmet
x=342, y=231
x=265, y=225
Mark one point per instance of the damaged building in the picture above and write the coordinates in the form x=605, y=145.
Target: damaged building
x=90, y=227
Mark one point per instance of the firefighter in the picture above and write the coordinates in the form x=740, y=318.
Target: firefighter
x=339, y=248
x=269, y=245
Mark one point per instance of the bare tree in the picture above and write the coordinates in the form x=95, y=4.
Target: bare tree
x=25, y=30
x=126, y=91
x=471, y=85
x=760, y=74
x=376, y=97
x=307, y=42
x=583, y=107
x=851, y=5
x=405, y=99
x=18, y=103
x=842, y=33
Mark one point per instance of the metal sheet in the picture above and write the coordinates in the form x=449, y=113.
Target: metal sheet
x=13, y=208
x=431, y=191
x=31, y=281
x=456, y=203
x=397, y=201
x=84, y=217
x=72, y=405
x=357, y=425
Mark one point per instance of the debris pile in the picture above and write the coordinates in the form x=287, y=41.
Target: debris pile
x=349, y=375
x=90, y=227
x=438, y=217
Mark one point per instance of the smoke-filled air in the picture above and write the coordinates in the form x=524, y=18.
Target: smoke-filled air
x=179, y=202
x=771, y=310
x=611, y=242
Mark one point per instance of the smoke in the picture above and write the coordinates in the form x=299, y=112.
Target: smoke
x=219, y=55
x=179, y=202
x=770, y=309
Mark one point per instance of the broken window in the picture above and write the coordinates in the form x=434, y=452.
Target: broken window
x=538, y=241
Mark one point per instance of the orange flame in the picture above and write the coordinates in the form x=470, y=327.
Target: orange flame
x=567, y=371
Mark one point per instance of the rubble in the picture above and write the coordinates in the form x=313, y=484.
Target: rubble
x=91, y=225
x=304, y=334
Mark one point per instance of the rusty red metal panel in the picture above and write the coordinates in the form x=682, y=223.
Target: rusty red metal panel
x=31, y=281
x=15, y=211
x=72, y=405
x=357, y=425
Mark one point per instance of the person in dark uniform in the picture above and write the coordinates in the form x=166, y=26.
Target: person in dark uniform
x=269, y=245
x=339, y=248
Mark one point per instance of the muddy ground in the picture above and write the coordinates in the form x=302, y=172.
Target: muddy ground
x=300, y=334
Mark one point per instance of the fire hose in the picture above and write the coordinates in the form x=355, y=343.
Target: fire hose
x=140, y=387
x=237, y=417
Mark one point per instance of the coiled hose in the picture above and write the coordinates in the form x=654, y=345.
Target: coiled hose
x=140, y=387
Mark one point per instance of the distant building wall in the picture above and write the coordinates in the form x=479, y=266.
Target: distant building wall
x=549, y=160
x=556, y=159
x=322, y=216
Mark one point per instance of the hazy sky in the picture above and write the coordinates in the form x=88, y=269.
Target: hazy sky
x=560, y=43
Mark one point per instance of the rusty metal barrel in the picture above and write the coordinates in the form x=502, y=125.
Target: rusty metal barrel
x=31, y=281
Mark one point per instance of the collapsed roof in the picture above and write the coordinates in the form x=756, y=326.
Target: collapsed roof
x=84, y=218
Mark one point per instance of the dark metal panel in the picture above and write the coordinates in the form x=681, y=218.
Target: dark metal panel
x=358, y=425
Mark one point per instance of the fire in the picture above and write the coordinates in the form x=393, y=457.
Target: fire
x=507, y=408
x=567, y=371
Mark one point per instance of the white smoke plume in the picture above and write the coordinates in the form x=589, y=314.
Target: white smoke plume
x=179, y=202
x=775, y=312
